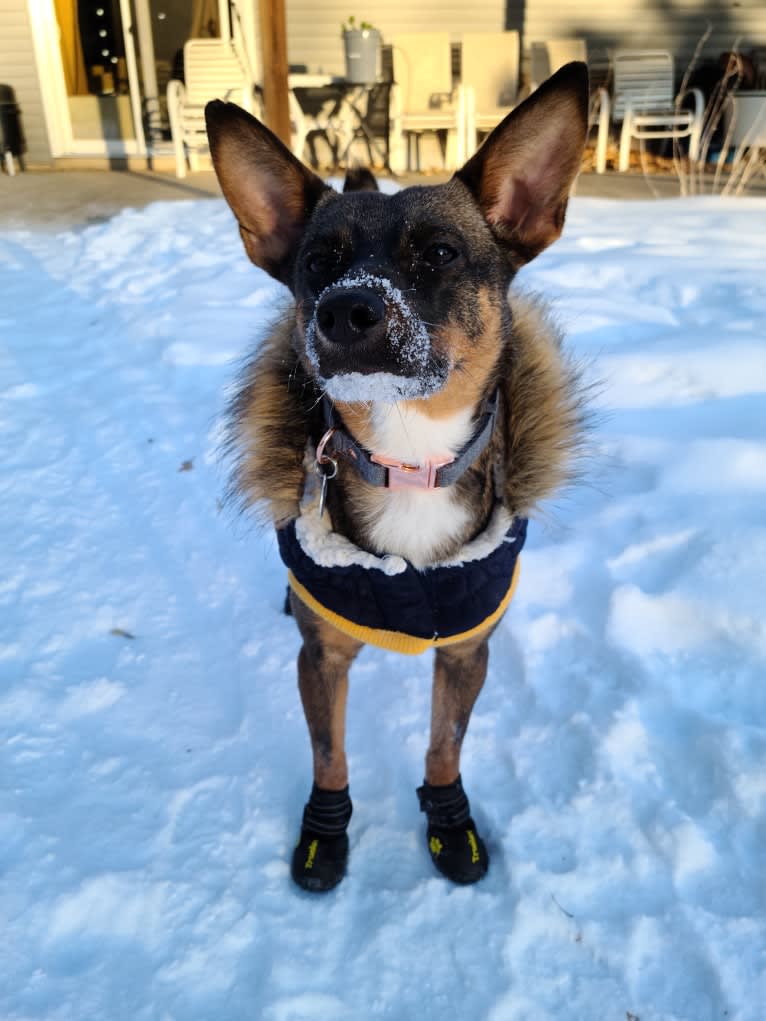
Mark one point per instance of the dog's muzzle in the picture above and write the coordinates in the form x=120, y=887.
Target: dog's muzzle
x=366, y=342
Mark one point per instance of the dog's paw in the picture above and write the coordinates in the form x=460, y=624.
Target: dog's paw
x=459, y=854
x=321, y=854
x=456, y=849
x=319, y=863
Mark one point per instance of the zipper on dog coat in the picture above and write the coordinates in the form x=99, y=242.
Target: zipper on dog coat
x=386, y=601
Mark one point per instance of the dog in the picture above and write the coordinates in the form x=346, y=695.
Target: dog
x=400, y=423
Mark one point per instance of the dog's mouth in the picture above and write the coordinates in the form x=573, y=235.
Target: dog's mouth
x=366, y=343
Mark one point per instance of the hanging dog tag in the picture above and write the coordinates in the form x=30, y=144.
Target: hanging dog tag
x=325, y=467
x=326, y=470
x=323, y=494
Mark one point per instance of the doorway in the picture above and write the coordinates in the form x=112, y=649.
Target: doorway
x=93, y=58
x=105, y=65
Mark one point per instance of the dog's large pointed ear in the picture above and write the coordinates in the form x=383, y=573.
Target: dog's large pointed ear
x=270, y=192
x=522, y=174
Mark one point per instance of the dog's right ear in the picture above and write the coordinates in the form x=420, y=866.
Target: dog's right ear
x=270, y=192
x=522, y=174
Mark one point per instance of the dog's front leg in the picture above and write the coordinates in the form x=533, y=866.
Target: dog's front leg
x=320, y=857
x=455, y=846
x=323, y=665
x=459, y=673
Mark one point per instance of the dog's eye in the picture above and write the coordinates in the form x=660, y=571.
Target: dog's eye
x=439, y=254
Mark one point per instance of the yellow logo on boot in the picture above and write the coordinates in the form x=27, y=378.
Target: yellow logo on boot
x=309, y=863
x=474, y=845
x=436, y=846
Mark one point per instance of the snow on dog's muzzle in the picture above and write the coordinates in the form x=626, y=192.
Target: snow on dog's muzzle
x=366, y=343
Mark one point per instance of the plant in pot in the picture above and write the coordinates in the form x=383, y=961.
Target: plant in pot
x=362, y=47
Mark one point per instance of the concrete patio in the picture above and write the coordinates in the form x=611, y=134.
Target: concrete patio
x=65, y=198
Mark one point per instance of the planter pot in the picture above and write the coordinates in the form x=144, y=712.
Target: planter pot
x=362, y=46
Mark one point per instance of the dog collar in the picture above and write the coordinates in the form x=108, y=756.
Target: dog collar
x=390, y=473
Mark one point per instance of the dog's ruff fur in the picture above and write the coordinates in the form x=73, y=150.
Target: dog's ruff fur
x=542, y=420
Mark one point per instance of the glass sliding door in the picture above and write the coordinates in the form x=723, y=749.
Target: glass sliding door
x=95, y=73
x=104, y=67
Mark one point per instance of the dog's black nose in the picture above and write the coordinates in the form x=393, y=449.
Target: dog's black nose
x=348, y=316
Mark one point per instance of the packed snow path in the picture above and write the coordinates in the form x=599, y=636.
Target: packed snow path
x=154, y=756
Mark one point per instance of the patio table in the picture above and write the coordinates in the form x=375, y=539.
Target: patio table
x=338, y=110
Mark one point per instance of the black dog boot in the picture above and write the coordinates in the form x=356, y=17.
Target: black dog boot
x=456, y=848
x=321, y=854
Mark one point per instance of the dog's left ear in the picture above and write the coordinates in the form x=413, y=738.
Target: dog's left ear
x=522, y=174
x=270, y=192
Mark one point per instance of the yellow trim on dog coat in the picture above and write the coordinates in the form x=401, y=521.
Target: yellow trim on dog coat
x=398, y=641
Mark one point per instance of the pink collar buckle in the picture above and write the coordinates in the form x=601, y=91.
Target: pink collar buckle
x=411, y=476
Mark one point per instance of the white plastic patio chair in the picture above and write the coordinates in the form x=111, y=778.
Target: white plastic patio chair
x=546, y=58
x=423, y=97
x=645, y=102
x=212, y=70
x=490, y=77
x=745, y=130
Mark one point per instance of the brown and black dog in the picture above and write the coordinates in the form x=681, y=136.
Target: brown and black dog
x=400, y=423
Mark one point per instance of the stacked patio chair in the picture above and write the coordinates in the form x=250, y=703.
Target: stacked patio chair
x=424, y=99
x=490, y=76
x=546, y=58
x=213, y=69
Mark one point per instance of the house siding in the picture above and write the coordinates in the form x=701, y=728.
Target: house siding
x=674, y=25
x=678, y=26
x=314, y=30
x=18, y=68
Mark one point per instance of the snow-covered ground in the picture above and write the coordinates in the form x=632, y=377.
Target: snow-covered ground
x=154, y=758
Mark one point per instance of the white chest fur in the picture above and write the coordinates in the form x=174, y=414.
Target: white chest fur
x=416, y=523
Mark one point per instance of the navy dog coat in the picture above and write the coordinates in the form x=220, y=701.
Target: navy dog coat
x=386, y=601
